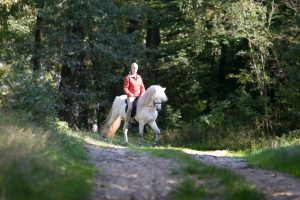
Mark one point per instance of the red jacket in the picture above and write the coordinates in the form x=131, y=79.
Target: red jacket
x=133, y=87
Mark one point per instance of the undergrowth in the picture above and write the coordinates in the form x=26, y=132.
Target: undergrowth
x=41, y=163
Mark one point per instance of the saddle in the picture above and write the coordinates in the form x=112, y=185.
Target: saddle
x=134, y=104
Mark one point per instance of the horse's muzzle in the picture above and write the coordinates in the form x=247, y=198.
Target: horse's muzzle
x=157, y=106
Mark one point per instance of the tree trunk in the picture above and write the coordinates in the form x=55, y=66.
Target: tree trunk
x=153, y=35
x=81, y=79
x=152, y=43
x=37, y=44
x=133, y=26
x=64, y=88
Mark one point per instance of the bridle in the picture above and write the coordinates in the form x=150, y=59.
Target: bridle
x=154, y=104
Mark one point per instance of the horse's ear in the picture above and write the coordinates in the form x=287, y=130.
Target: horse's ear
x=164, y=89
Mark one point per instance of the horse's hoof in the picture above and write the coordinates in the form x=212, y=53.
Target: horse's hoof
x=155, y=144
x=125, y=143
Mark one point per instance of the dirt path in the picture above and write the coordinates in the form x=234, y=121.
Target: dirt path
x=275, y=185
x=125, y=175
x=136, y=176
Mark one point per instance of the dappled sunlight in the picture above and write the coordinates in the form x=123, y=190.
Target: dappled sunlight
x=130, y=176
x=91, y=139
x=123, y=188
x=217, y=153
x=286, y=194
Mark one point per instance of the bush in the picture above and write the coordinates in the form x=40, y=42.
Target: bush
x=38, y=163
x=37, y=97
x=203, y=137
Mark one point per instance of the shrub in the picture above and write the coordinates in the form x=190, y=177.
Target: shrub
x=37, y=97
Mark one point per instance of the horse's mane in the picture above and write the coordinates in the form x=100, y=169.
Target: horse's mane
x=154, y=92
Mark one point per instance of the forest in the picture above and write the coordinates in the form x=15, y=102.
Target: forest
x=231, y=67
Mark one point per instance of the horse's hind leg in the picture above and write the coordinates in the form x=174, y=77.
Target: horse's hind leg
x=157, y=132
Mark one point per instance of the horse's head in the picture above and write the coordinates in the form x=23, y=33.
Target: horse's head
x=153, y=96
x=159, y=97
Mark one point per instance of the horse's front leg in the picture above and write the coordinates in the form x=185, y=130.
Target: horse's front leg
x=125, y=131
x=141, y=131
x=157, y=132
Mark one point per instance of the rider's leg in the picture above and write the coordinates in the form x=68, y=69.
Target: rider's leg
x=128, y=114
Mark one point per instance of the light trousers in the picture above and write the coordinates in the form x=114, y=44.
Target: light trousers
x=129, y=109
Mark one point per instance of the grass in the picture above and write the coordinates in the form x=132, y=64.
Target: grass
x=235, y=139
x=38, y=163
x=271, y=152
x=284, y=159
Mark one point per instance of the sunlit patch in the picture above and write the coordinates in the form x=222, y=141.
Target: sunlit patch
x=276, y=194
x=218, y=153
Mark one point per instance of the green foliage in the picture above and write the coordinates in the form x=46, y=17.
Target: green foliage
x=39, y=163
x=37, y=97
x=284, y=159
x=171, y=118
x=227, y=65
x=188, y=190
x=3, y=72
x=200, y=136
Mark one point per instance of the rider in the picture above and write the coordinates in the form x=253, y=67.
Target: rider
x=133, y=87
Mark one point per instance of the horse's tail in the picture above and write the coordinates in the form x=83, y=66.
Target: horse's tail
x=112, y=122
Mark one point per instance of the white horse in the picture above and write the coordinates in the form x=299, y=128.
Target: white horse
x=147, y=109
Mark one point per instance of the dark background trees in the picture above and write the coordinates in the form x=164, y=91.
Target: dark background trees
x=229, y=66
